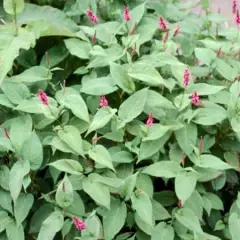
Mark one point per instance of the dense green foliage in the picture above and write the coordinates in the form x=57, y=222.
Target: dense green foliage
x=119, y=120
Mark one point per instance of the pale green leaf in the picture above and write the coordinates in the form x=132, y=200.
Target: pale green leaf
x=13, y=7
x=187, y=137
x=204, y=89
x=32, y=151
x=71, y=136
x=78, y=47
x=22, y=207
x=145, y=73
x=101, y=155
x=133, y=106
x=234, y=226
x=185, y=183
x=114, y=220
x=101, y=118
x=97, y=191
x=163, y=232
x=143, y=205
x=18, y=171
x=68, y=166
x=64, y=195
x=166, y=169
x=205, y=55
x=119, y=75
x=14, y=232
x=51, y=226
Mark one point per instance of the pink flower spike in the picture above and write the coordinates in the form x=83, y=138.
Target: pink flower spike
x=165, y=37
x=176, y=31
x=237, y=17
x=103, y=101
x=92, y=16
x=43, y=97
x=162, y=23
x=149, y=121
x=195, y=98
x=6, y=133
x=186, y=77
x=234, y=6
x=79, y=224
x=126, y=14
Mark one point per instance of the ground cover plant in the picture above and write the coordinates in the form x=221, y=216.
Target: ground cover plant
x=119, y=120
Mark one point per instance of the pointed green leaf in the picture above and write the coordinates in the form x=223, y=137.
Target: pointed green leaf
x=162, y=232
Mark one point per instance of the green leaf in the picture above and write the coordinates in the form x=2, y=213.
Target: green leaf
x=136, y=15
x=47, y=21
x=68, y=166
x=64, y=194
x=24, y=40
x=51, y=226
x=114, y=219
x=143, y=205
x=155, y=132
x=32, y=151
x=210, y=161
x=72, y=99
x=159, y=212
x=228, y=72
x=4, y=177
x=13, y=7
x=165, y=169
x=6, y=201
x=98, y=86
x=145, y=73
x=55, y=55
x=156, y=101
x=101, y=155
x=234, y=226
x=204, y=89
x=71, y=136
x=185, y=183
x=97, y=191
x=119, y=74
x=4, y=221
x=77, y=207
x=189, y=220
x=204, y=116
x=162, y=232
x=20, y=131
x=205, y=55
x=187, y=137
x=22, y=207
x=133, y=106
x=128, y=186
x=149, y=148
x=15, y=92
x=216, y=202
x=101, y=118
x=4, y=101
x=14, y=232
x=32, y=75
x=144, y=182
x=18, y=171
x=78, y=48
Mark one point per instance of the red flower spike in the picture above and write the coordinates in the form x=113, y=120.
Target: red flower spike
x=43, y=97
x=92, y=16
x=103, y=101
x=79, y=224
x=186, y=77
x=165, y=37
x=162, y=23
x=176, y=31
x=6, y=133
x=237, y=18
x=126, y=14
x=234, y=6
x=195, y=98
x=149, y=121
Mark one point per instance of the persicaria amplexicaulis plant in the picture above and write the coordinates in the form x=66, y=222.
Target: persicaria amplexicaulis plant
x=120, y=120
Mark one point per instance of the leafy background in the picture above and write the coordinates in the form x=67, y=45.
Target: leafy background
x=175, y=179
